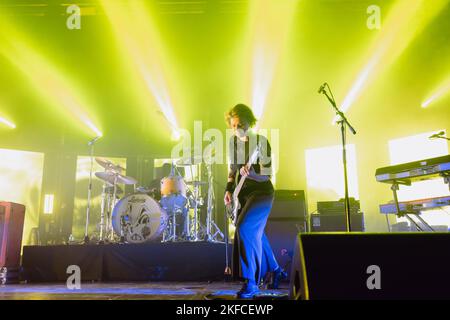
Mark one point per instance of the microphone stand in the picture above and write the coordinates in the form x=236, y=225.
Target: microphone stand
x=88, y=209
x=227, y=272
x=343, y=123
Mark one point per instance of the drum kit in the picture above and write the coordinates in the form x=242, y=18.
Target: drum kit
x=139, y=217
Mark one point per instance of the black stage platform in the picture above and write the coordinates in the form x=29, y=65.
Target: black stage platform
x=179, y=261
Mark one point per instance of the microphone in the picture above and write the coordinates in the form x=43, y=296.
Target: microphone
x=437, y=135
x=93, y=140
x=172, y=169
x=322, y=87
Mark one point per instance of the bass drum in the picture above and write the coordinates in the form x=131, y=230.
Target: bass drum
x=139, y=218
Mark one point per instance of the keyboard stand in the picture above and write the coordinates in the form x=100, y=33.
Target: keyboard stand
x=446, y=176
x=424, y=222
x=388, y=224
x=395, y=187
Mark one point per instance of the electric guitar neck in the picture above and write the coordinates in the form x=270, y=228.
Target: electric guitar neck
x=233, y=207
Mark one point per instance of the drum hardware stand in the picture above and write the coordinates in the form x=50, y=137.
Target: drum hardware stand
x=88, y=209
x=122, y=236
x=187, y=224
x=108, y=203
x=210, y=208
x=174, y=226
x=164, y=238
x=110, y=226
x=196, y=222
x=344, y=124
x=104, y=204
x=105, y=217
x=171, y=232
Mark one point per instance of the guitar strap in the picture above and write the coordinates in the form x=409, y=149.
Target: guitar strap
x=247, y=155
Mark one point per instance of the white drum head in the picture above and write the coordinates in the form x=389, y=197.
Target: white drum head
x=139, y=218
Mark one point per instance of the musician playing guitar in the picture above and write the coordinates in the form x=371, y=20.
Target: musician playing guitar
x=252, y=254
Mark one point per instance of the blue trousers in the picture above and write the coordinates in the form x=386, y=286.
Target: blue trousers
x=253, y=255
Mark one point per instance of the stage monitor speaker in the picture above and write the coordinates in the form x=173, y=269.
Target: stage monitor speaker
x=12, y=216
x=353, y=266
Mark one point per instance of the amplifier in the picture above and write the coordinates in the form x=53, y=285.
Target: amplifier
x=288, y=204
x=12, y=216
x=337, y=207
x=334, y=223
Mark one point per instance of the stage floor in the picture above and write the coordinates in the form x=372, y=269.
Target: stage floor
x=135, y=291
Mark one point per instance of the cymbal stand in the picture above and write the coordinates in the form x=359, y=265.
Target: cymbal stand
x=174, y=226
x=196, y=225
x=210, y=208
x=104, y=205
x=196, y=222
x=113, y=204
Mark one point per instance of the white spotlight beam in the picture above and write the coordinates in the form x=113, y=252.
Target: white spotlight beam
x=406, y=19
x=7, y=123
x=135, y=31
x=270, y=24
x=441, y=92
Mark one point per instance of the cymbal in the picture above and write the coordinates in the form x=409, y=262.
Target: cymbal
x=112, y=177
x=108, y=165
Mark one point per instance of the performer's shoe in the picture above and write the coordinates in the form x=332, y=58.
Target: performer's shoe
x=248, y=290
x=277, y=275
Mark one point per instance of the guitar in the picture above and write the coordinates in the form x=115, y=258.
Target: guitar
x=233, y=207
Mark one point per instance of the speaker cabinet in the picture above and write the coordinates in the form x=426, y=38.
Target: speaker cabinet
x=12, y=216
x=286, y=220
x=371, y=266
